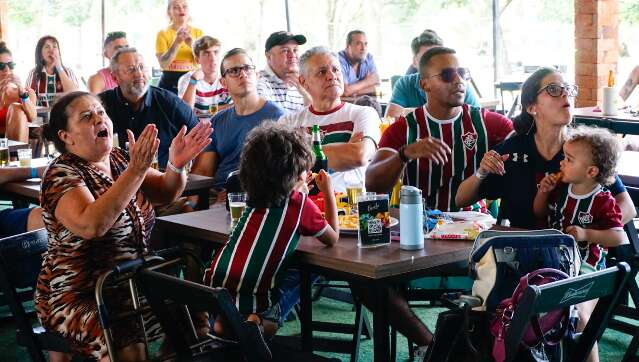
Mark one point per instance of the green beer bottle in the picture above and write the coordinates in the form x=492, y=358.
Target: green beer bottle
x=320, y=158
x=321, y=163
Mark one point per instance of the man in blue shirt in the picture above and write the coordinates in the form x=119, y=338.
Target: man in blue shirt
x=233, y=124
x=408, y=93
x=134, y=104
x=358, y=67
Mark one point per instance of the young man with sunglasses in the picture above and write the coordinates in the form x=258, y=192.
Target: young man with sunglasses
x=408, y=92
x=440, y=144
x=103, y=80
x=234, y=123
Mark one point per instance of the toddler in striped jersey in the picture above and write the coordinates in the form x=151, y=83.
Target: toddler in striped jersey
x=274, y=166
x=576, y=202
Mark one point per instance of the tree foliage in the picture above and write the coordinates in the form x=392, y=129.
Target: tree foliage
x=629, y=11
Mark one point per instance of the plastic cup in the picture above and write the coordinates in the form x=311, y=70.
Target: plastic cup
x=24, y=156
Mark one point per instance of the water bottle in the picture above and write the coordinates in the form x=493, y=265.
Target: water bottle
x=411, y=218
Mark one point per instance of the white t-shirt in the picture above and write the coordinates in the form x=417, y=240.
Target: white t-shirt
x=206, y=94
x=337, y=126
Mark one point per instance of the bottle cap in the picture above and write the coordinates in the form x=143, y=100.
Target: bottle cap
x=410, y=195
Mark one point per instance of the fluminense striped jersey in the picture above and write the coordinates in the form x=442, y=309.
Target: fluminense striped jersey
x=337, y=126
x=469, y=135
x=262, y=241
x=271, y=87
x=594, y=210
x=206, y=95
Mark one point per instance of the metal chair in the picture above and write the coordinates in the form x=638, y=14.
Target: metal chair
x=607, y=285
x=20, y=263
x=512, y=88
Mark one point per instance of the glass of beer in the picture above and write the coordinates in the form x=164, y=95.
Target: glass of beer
x=24, y=156
x=237, y=203
x=353, y=191
x=4, y=152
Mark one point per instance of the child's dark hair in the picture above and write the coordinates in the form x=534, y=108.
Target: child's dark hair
x=604, y=150
x=273, y=157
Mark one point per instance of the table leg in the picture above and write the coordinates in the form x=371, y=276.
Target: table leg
x=306, y=309
x=381, y=339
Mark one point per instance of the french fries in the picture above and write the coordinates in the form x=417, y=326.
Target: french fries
x=348, y=221
x=558, y=176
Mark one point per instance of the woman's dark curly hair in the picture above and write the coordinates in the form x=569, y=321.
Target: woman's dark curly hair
x=604, y=150
x=273, y=157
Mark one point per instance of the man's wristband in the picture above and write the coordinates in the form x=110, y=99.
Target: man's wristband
x=402, y=155
x=175, y=169
x=193, y=81
x=34, y=172
x=481, y=174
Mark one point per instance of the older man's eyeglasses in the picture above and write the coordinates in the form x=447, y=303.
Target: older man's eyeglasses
x=556, y=90
x=236, y=71
x=4, y=66
x=134, y=68
x=448, y=74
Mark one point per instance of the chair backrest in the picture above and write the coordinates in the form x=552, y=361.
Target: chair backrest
x=162, y=290
x=607, y=285
x=20, y=263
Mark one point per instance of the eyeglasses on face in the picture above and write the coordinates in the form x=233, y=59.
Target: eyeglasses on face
x=4, y=66
x=448, y=74
x=236, y=71
x=134, y=68
x=556, y=90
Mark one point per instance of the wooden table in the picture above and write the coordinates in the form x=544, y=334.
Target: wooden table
x=377, y=267
x=623, y=123
x=29, y=191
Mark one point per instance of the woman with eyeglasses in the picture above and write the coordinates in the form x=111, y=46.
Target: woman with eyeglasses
x=17, y=104
x=513, y=170
x=50, y=78
x=173, y=45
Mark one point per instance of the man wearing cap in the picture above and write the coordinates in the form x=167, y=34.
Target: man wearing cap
x=279, y=81
x=358, y=66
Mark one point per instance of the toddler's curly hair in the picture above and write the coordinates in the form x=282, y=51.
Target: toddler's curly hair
x=604, y=150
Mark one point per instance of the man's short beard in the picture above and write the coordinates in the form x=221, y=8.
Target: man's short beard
x=137, y=91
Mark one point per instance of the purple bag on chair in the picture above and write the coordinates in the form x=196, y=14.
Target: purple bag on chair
x=537, y=331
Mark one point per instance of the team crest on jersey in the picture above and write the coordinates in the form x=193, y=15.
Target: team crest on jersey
x=584, y=218
x=470, y=140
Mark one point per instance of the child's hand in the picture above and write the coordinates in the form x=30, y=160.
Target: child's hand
x=577, y=232
x=548, y=183
x=323, y=182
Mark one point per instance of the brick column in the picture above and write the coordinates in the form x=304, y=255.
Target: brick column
x=596, y=48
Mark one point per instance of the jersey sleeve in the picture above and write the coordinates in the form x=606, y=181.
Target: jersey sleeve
x=608, y=212
x=395, y=135
x=400, y=92
x=372, y=67
x=161, y=43
x=498, y=127
x=367, y=121
x=312, y=223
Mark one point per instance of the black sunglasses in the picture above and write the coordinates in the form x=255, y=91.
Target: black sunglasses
x=556, y=90
x=236, y=71
x=11, y=65
x=448, y=74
